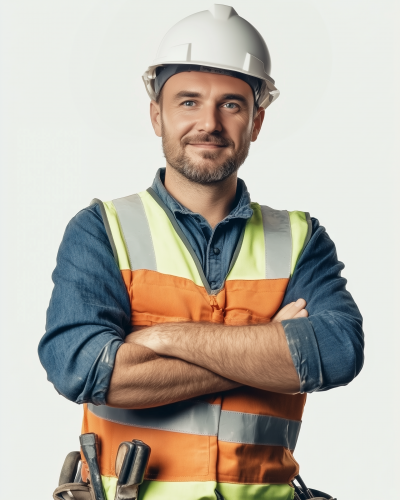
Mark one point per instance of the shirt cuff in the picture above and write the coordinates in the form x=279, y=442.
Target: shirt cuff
x=304, y=350
x=100, y=376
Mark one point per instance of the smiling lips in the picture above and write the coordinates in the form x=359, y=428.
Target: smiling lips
x=206, y=145
x=206, y=141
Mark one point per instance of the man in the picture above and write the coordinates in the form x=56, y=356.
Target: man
x=179, y=314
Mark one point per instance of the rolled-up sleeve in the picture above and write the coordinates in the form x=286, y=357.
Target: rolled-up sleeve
x=327, y=348
x=89, y=312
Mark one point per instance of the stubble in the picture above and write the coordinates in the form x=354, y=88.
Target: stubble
x=200, y=171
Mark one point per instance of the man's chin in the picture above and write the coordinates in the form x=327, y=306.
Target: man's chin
x=205, y=167
x=207, y=159
x=205, y=172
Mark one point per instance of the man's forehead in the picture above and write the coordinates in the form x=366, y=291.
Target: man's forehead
x=202, y=84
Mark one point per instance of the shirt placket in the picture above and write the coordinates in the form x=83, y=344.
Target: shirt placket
x=214, y=258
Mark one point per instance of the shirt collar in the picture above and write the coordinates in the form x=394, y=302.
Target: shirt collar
x=241, y=210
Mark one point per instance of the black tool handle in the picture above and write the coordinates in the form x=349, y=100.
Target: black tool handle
x=89, y=450
x=298, y=493
x=140, y=462
x=306, y=491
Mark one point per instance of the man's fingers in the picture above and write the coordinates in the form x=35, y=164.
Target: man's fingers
x=283, y=312
x=302, y=314
x=291, y=311
x=300, y=304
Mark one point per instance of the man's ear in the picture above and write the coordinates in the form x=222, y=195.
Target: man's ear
x=257, y=123
x=155, y=116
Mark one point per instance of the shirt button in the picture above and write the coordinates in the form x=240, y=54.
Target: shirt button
x=217, y=251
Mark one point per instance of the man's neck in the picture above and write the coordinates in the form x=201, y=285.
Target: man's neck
x=213, y=201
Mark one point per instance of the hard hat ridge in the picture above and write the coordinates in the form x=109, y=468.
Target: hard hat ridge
x=216, y=38
x=222, y=12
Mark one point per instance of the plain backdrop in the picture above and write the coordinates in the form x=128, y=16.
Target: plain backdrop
x=75, y=125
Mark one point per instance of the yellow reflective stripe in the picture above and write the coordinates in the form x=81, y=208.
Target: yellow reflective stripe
x=232, y=491
x=112, y=217
x=109, y=486
x=299, y=226
x=250, y=264
x=162, y=490
x=172, y=256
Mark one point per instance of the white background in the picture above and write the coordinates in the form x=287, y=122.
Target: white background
x=74, y=126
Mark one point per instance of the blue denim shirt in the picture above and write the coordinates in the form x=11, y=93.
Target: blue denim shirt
x=89, y=311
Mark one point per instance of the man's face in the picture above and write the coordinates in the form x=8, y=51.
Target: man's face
x=206, y=122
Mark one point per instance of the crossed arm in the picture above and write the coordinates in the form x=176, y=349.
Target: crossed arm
x=89, y=313
x=176, y=361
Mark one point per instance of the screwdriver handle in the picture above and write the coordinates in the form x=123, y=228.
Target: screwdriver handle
x=89, y=446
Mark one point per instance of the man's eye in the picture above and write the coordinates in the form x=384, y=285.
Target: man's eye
x=189, y=103
x=230, y=105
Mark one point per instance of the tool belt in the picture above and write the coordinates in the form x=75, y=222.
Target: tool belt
x=131, y=463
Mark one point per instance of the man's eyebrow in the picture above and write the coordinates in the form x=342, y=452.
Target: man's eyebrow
x=186, y=94
x=234, y=97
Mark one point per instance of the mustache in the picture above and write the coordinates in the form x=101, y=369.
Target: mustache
x=210, y=138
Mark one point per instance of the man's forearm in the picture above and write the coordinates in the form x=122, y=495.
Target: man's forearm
x=142, y=379
x=256, y=355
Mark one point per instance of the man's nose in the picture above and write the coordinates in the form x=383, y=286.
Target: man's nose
x=209, y=120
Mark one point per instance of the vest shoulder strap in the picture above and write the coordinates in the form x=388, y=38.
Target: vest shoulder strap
x=107, y=225
x=114, y=232
x=130, y=220
x=286, y=234
x=272, y=244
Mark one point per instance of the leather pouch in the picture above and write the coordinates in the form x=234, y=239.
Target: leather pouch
x=74, y=491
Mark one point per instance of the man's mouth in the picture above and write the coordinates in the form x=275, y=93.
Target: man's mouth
x=207, y=141
x=206, y=145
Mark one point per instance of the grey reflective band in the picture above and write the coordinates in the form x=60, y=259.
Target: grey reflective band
x=204, y=419
x=136, y=232
x=187, y=417
x=278, y=243
x=247, y=428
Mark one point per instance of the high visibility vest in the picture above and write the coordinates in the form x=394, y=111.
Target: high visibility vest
x=235, y=445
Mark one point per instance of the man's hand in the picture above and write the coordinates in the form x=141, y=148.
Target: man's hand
x=255, y=355
x=291, y=311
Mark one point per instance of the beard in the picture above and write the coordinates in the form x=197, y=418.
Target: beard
x=200, y=171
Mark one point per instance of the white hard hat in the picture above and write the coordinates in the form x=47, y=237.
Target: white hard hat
x=216, y=38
